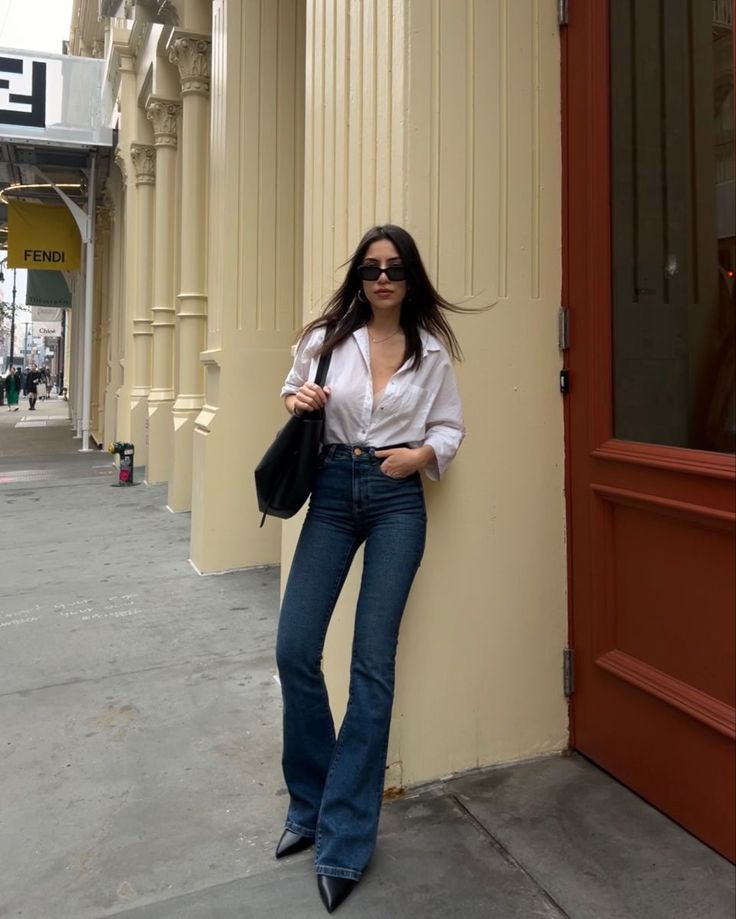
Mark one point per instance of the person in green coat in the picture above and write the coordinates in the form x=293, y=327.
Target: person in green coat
x=11, y=390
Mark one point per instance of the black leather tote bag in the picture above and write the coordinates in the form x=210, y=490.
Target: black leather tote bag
x=286, y=472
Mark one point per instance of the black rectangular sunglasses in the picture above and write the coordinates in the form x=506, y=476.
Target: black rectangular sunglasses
x=374, y=272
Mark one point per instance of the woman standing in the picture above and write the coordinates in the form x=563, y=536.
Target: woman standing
x=391, y=409
x=12, y=390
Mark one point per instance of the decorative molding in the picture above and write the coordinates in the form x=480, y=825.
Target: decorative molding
x=144, y=163
x=122, y=61
x=103, y=220
x=108, y=202
x=717, y=715
x=121, y=164
x=698, y=514
x=163, y=114
x=191, y=54
x=676, y=459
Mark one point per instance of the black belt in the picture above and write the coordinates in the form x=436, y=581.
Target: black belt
x=358, y=449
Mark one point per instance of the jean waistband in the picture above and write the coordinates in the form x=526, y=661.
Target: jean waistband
x=357, y=450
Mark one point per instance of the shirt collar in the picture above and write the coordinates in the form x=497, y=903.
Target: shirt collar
x=429, y=342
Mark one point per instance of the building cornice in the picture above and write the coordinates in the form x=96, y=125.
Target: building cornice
x=126, y=39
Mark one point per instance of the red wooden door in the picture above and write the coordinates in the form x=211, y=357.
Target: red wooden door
x=649, y=260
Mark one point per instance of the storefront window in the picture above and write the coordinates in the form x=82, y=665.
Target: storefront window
x=673, y=217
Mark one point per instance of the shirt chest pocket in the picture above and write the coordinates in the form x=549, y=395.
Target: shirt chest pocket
x=411, y=406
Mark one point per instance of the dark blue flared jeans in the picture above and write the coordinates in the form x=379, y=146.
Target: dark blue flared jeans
x=336, y=784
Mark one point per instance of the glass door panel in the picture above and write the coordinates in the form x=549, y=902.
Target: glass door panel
x=673, y=216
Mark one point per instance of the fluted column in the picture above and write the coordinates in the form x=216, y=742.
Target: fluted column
x=143, y=158
x=191, y=54
x=164, y=115
x=102, y=226
x=102, y=233
x=116, y=323
x=254, y=270
x=128, y=101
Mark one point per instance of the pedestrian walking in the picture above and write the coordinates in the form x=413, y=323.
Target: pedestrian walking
x=12, y=389
x=42, y=387
x=30, y=386
x=392, y=408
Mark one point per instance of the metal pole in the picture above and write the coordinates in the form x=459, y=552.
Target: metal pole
x=60, y=362
x=12, y=324
x=89, y=291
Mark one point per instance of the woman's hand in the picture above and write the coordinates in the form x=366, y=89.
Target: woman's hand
x=308, y=398
x=400, y=462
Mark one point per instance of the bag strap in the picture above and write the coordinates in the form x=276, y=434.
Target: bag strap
x=322, y=368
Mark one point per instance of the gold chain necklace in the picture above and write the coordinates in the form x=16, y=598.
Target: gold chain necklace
x=377, y=341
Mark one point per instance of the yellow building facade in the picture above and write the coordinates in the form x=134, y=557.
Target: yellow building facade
x=257, y=141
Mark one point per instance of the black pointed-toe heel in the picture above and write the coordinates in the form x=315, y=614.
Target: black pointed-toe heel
x=291, y=843
x=334, y=891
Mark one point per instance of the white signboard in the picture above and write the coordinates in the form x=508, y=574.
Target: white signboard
x=50, y=329
x=46, y=314
x=54, y=98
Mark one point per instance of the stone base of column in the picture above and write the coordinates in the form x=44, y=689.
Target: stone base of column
x=228, y=443
x=160, y=440
x=111, y=411
x=180, y=477
x=139, y=428
x=122, y=430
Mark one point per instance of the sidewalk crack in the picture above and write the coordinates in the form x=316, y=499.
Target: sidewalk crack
x=508, y=857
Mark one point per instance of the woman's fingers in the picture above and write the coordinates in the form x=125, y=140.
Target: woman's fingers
x=310, y=398
x=397, y=462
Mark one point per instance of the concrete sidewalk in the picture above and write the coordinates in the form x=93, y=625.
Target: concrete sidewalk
x=139, y=760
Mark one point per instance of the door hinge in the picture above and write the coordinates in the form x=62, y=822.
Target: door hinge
x=563, y=12
x=568, y=672
x=564, y=382
x=563, y=329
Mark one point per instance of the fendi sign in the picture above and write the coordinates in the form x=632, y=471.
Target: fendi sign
x=54, y=98
x=18, y=105
x=44, y=255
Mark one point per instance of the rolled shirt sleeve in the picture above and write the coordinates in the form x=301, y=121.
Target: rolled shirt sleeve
x=445, y=426
x=301, y=369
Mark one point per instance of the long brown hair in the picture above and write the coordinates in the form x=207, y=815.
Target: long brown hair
x=422, y=307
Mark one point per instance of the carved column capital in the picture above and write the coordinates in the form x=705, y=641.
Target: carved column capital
x=144, y=163
x=163, y=114
x=191, y=54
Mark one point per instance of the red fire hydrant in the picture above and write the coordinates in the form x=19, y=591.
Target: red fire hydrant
x=126, y=452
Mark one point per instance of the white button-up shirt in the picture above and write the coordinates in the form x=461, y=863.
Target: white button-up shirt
x=417, y=407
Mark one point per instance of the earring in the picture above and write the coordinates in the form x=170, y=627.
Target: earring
x=361, y=296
